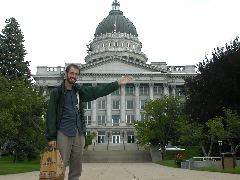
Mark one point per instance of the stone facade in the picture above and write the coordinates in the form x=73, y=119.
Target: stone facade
x=110, y=56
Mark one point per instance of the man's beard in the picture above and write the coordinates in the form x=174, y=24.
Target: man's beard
x=71, y=80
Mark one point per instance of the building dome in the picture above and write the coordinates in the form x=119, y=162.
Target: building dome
x=115, y=22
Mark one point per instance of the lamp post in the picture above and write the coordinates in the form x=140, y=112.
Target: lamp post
x=123, y=140
x=108, y=134
x=220, y=146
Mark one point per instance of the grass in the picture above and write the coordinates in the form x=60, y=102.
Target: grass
x=169, y=163
x=8, y=167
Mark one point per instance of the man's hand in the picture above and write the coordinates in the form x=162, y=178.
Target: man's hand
x=52, y=144
x=125, y=79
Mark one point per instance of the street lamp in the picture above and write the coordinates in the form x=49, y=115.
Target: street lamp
x=108, y=134
x=123, y=140
x=220, y=145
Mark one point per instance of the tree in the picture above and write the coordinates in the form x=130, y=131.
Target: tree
x=224, y=128
x=22, y=109
x=216, y=86
x=159, y=125
x=88, y=139
x=231, y=121
x=12, y=52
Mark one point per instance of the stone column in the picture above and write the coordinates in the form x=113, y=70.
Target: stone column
x=94, y=113
x=109, y=110
x=137, y=102
x=165, y=89
x=151, y=85
x=173, y=90
x=94, y=110
x=123, y=106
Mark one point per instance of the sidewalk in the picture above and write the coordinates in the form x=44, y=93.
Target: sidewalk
x=133, y=171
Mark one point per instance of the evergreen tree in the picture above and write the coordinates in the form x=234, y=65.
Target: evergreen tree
x=12, y=52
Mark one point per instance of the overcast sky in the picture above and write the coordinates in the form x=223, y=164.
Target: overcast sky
x=179, y=32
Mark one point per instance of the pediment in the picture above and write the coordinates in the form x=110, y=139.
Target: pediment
x=117, y=66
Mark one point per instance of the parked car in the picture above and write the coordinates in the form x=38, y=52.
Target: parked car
x=172, y=148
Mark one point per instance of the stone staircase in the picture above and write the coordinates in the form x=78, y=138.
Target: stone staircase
x=119, y=153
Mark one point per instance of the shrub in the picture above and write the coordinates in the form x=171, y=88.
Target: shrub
x=179, y=158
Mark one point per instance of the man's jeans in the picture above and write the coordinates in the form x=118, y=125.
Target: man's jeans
x=71, y=150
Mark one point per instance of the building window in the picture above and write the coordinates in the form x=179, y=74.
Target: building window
x=101, y=121
x=130, y=119
x=142, y=116
x=116, y=44
x=116, y=104
x=130, y=139
x=179, y=91
x=144, y=90
x=101, y=137
x=142, y=104
x=157, y=90
x=117, y=92
x=129, y=104
x=129, y=90
x=88, y=120
x=89, y=105
x=101, y=104
x=115, y=120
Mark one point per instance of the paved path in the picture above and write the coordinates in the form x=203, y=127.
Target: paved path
x=134, y=171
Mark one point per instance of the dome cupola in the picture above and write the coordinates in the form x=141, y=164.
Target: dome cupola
x=115, y=22
x=115, y=36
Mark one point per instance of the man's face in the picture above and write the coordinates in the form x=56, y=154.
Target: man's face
x=72, y=75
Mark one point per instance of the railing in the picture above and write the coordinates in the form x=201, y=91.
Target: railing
x=206, y=158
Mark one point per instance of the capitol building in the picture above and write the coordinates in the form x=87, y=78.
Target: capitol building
x=116, y=51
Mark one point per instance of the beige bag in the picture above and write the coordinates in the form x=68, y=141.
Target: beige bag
x=52, y=167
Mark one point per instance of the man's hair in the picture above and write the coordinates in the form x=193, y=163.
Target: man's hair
x=72, y=65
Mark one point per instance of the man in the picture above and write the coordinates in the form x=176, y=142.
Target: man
x=65, y=117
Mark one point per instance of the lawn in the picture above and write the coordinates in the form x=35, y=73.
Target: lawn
x=8, y=167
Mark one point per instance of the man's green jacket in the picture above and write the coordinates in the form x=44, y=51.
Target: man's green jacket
x=56, y=103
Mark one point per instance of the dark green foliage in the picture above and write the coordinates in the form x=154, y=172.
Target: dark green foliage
x=12, y=52
x=22, y=124
x=88, y=139
x=217, y=84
